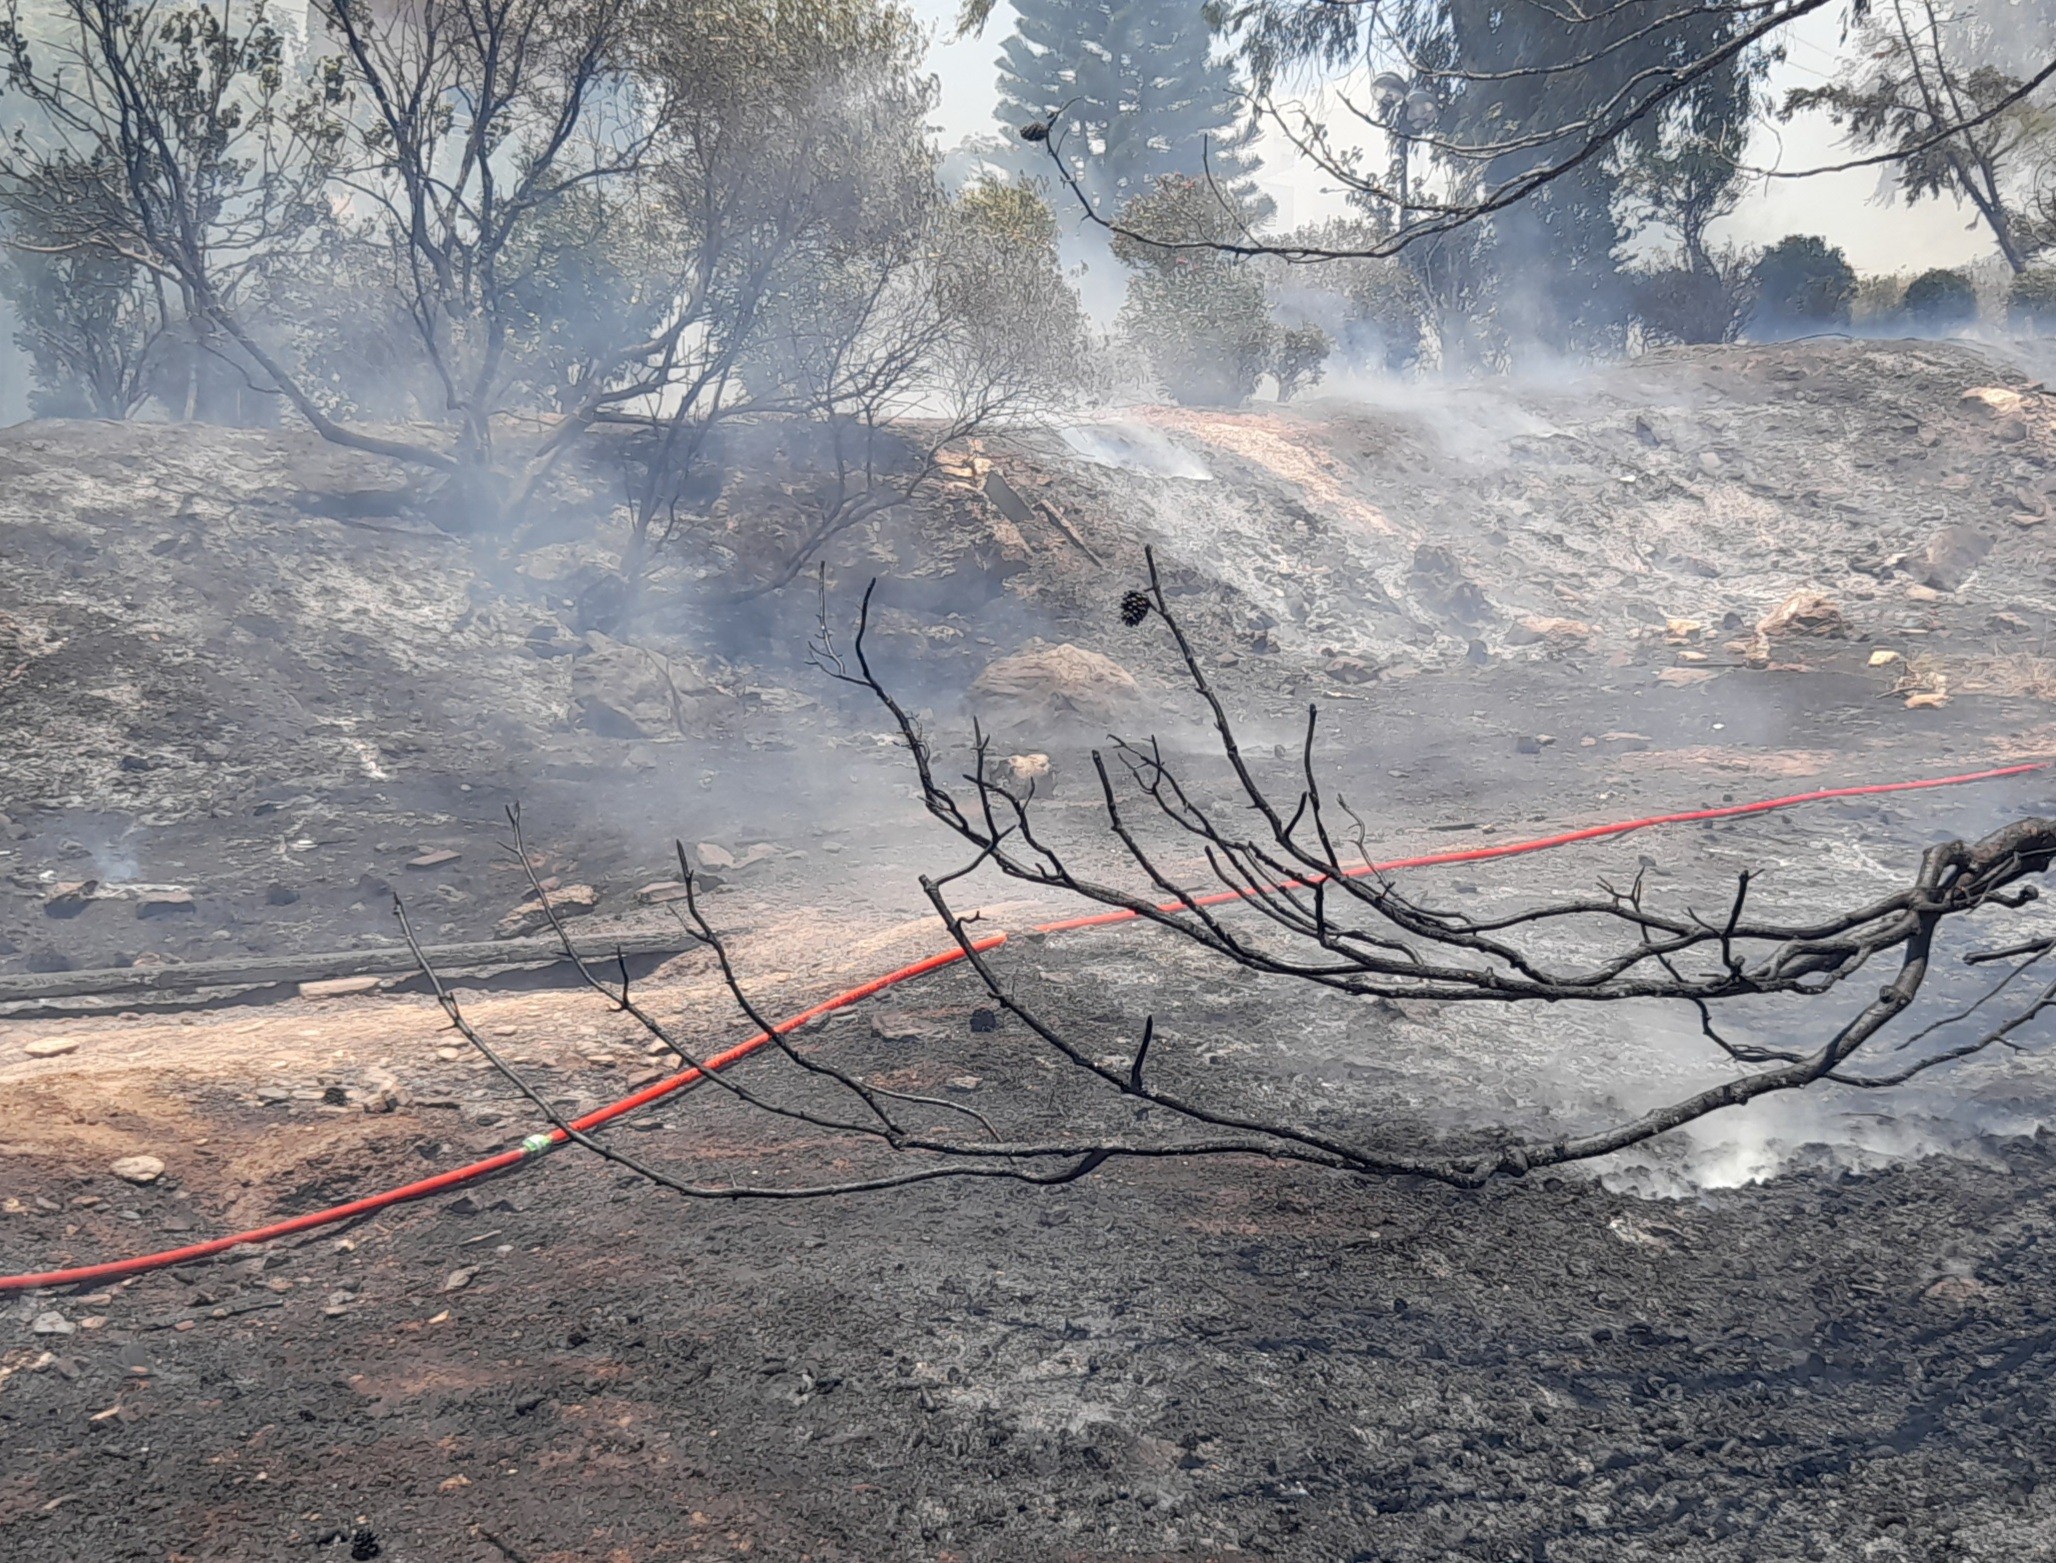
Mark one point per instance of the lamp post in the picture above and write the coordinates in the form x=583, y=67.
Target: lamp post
x=1406, y=112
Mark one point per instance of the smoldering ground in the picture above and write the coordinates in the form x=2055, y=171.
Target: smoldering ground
x=1190, y=1359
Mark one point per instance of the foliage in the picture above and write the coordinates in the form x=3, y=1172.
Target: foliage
x=1916, y=69
x=1801, y=283
x=1686, y=304
x=788, y=197
x=92, y=328
x=2032, y=303
x=1515, y=84
x=1879, y=300
x=1687, y=175
x=1374, y=312
x=1297, y=358
x=1017, y=334
x=177, y=141
x=464, y=233
x=1011, y=212
x=1941, y=300
x=1201, y=318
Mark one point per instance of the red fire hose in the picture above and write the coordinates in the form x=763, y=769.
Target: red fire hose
x=539, y=1144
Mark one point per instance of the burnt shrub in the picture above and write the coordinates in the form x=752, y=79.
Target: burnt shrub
x=1677, y=304
x=1940, y=300
x=2031, y=305
x=1802, y=283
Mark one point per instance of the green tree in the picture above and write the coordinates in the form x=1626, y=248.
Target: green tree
x=1915, y=72
x=180, y=140
x=1371, y=311
x=1495, y=89
x=93, y=327
x=1136, y=89
x=1201, y=318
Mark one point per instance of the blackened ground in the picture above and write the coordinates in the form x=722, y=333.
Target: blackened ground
x=1190, y=1360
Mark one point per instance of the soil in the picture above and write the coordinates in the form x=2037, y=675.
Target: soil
x=1191, y=1360
x=1819, y=1330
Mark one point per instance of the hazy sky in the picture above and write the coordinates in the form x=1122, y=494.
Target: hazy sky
x=1850, y=209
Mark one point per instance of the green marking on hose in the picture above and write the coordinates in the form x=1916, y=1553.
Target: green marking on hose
x=536, y=1144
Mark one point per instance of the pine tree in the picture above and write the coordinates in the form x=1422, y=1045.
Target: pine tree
x=1137, y=87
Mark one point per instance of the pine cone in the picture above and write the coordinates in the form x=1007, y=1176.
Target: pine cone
x=1134, y=608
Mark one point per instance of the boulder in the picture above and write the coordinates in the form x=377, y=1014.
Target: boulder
x=1804, y=613
x=1991, y=401
x=567, y=901
x=1017, y=773
x=1047, y=683
x=1439, y=580
x=624, y=691
x=1539, y=629
x=138, y=1169
x=1948, y=558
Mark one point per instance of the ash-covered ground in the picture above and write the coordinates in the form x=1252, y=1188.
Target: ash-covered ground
x=249, y=688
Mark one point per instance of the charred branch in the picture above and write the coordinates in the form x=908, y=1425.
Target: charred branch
x=1324, y=914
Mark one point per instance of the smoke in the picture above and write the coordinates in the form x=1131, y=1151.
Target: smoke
x=1135, y=448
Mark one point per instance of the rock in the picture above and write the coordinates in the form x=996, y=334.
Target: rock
x=1880, y=659
x=1922, y=594
x=1536, y=629
x=1947, y=560
x=963, y=1083
x=1019, y=772
x=891, y=1028
x=1991, y=401
x=51, y=1323
x=337, y=987
x=1437, y=577
x=434, y=858
x=624, y=691
x=1804, y=613
x=1956, y=1290
x=139, y=1170
x=281, y=895
x=715, y=855
x=532, y=916
x=50, y=1047
x=457, y=1280
x=165, y=903
x=383, y=1092
x=657, y=892
x=69, y=898
x=1047, y=683
x=1927, y=700
x=1685, y=677
x=1351, y=670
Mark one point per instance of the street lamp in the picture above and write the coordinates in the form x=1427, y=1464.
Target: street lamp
x=1405, y=112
